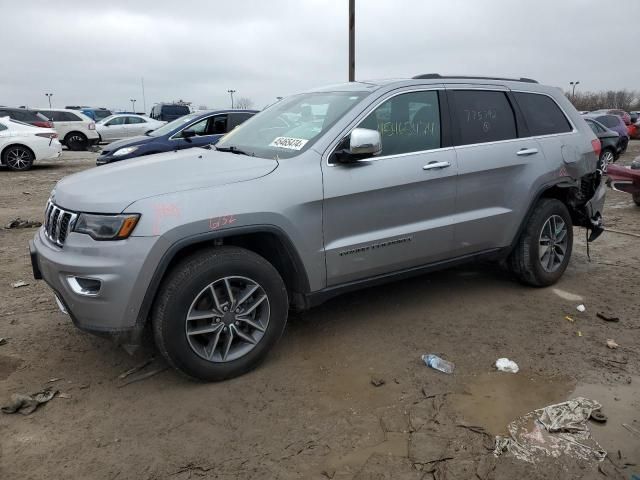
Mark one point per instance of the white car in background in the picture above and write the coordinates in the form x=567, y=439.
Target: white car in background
x=75, y=130
x=125, y=125
x=21, y=144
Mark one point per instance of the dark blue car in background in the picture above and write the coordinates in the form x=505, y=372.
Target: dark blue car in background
x=193, y=130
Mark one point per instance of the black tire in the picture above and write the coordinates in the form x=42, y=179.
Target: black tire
x=187, y=282
x=18, y=158
x=636, y=198
x=76, y=141
x=525, y=261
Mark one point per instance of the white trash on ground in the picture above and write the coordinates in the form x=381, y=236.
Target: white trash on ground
x=437, y=363
x=581, y=308
x=506, y=365
x=552, y=431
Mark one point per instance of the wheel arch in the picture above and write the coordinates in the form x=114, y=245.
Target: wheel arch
x=268, y=241
x=17, y=144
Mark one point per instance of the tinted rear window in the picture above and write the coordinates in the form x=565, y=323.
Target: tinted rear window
x=542, y=114
x=483, y=116
x=609, y=121
x=22, y=115
x=175, y=110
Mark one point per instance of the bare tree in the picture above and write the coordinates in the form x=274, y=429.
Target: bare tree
x=243, y=102
x=621, y=99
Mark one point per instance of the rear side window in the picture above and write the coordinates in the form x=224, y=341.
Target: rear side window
x=2, y=127
x=407, y=123
x=542, y=114
x=483, y=116
x=25, y=116
x=236, y=119
x=132, y=120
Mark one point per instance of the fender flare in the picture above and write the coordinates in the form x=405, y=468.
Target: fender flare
x=172, y=251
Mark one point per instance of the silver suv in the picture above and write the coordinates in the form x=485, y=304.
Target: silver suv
x=327, y=191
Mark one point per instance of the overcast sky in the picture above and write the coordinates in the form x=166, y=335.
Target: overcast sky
x=96, y=52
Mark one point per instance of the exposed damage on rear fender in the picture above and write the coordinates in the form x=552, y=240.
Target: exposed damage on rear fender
x=585, y=199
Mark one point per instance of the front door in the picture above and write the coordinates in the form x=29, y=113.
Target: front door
x=208, y=131
x=394, y=211
x=114, y=129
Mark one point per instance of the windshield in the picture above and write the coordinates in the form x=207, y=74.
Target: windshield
x=291, y=125
x=171, y=126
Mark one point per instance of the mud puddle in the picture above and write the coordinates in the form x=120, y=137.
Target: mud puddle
x=492, y=400
x=621, y=405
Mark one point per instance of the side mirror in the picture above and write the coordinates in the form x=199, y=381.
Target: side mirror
x=188, y=133
x=365, y=142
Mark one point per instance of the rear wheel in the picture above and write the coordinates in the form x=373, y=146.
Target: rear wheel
x=544, y=248
x=76, y=141
x=607, y=157
x=219, y=312
x=18, y=158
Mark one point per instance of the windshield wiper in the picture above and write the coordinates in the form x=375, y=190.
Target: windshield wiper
x=233, y=149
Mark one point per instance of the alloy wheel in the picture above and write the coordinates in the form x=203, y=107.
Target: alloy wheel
x=18, y=158
x=227, y=319
x=552, y=246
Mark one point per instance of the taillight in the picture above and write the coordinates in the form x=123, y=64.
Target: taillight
x=92, y=126
x=597, y=147
x=47, y=135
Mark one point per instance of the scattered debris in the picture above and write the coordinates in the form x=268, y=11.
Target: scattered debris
x=622, y=232
x=3, y=340
x=19, y=284
x=19, y=223
x=568, y=318
x=598, y=416
x=569, y=297
x=555, y=430
x=506, y=365
x=27, y=404
x=433, y=395
x=135, y=369
x=607, y=318
x=26, y=193
x=160, y=366
x=437, y=363
x=54, y=379
x=581, y=308
x=579, y=333
x=631, y=429
x=611, y=343
x=64, y=395
x=377, y=381
x=84, y=386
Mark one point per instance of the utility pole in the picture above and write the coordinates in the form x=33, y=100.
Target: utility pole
x=144, y=99
x=133, y=105
x=49, y=95
x=231, y=92
x=352, y=40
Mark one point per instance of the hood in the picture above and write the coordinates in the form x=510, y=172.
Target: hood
x=112, y=187
x=128, y=142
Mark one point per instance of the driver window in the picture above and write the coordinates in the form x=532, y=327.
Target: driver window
x=407, y=123
x=200, y=127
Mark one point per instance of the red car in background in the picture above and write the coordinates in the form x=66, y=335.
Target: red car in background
x=626, y=118
x=626, y=179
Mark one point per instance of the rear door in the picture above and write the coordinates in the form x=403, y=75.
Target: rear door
x=394, y=211
x=496, y=169
x=134, y=126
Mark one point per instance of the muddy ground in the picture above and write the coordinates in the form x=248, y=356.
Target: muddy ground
x=311, y=411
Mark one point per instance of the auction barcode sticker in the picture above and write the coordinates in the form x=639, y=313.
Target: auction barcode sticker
x=289, y=143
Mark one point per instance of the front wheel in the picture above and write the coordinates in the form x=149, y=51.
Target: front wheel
x=219, y=312
x=543, y=250
x=607, y=157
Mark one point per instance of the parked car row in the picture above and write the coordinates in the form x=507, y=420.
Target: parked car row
x=21, y=144
x=119, y=126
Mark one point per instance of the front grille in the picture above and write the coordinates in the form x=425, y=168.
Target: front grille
x=58, y=223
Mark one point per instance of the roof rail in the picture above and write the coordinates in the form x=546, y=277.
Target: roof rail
x=434, y=76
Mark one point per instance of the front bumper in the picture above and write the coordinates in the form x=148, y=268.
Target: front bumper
x=119, y=266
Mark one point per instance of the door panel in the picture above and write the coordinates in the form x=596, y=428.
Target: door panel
x=389, y=213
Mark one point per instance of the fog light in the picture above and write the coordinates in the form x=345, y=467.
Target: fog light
x=89, y=287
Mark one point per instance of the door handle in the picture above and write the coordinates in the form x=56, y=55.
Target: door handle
x=436, y=165
x=527, y=151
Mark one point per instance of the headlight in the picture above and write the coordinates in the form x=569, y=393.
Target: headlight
x=124, y=151
x=106, y=227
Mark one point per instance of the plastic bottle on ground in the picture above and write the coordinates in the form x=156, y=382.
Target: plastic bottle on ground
x=437, y=363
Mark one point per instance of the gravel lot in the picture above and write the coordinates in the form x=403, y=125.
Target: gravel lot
x=311, y=411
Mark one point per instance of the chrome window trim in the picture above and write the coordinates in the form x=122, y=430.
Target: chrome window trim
x=365, y=114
